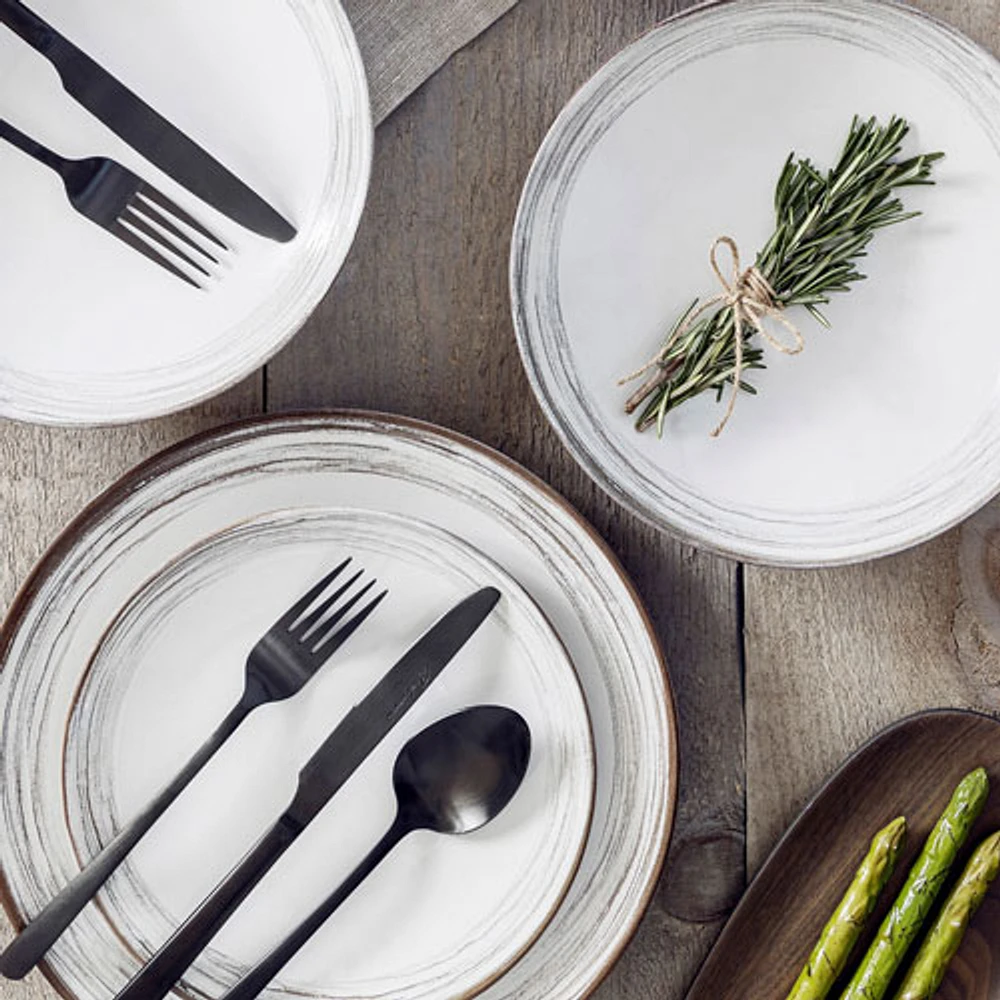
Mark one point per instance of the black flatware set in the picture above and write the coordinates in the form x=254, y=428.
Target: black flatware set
x=115, y=198
x=452, y=777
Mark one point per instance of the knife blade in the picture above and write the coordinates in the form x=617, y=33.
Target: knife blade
x=361, y=730
x=143, y=128
x=320, y=778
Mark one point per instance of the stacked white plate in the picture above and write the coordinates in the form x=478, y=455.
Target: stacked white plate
x=127, y=646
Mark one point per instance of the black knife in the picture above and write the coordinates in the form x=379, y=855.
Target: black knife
x=144, y=129
x=323, y=774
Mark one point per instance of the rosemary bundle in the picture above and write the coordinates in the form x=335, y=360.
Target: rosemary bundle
x=823, y=224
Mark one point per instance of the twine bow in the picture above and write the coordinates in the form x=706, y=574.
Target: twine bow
x=752, y=299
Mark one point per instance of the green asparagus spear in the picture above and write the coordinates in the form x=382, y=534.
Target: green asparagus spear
x=902, y=923
x=829, y=956
x=944, y=937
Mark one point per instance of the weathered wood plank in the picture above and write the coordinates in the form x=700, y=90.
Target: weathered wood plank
x=419, y=323
x=835, y=655
x=48, y=474
x=832, y=657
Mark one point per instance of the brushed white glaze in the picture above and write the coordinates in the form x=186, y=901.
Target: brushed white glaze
x=376, y=465
x=884, y=430
x=276, y=90
x=444, y=915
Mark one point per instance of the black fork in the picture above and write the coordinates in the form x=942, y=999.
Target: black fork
x=121, y=202
x=279, y=665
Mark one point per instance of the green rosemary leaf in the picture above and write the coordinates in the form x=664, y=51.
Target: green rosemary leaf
x=823, y=225
x=817, y=315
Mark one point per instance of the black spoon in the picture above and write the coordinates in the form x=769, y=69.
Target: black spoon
x=453, y=777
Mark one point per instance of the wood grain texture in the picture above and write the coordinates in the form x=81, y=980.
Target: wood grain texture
x=978, y=19
x=833, y=656
x=48, y=474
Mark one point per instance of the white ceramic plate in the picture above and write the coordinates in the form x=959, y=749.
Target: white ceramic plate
x=271, y=474
x=886, y=429
x=275, y=89
x=443, y=916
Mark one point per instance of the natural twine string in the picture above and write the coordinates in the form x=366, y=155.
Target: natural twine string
x=750, y=295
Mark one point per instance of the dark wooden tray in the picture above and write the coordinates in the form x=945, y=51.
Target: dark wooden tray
x=909, y=769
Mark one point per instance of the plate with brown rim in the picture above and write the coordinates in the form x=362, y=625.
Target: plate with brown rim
x=268, y=475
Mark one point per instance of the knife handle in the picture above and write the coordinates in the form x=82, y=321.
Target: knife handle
x=36, y=32
x=157, y=978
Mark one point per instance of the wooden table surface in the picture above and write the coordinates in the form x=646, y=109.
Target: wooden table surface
x=777, y=674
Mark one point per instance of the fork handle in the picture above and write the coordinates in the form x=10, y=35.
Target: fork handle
x=27, y=949
x=30, y=146
x=156, y=979
x=28, y=25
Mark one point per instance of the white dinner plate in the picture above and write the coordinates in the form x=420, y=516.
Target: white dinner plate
x=275, y=89
x=200, y=549
x=443, y=916
x=885, y=430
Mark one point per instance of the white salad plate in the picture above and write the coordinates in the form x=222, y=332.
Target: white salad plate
x=275, y=90
x=443, y=916
x=126, y=647
x=884, y=430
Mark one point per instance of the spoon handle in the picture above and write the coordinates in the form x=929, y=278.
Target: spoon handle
x=264, y=971
x=27, y=949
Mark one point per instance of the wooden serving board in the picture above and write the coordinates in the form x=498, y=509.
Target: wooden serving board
x=909, y=769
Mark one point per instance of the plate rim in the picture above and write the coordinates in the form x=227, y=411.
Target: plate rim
x=770, y=551
x=209, y=440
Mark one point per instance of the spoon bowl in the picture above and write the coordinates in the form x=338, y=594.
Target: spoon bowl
x=458, y=773
x=452, y=777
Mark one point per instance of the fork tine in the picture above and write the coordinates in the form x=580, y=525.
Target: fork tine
x=299, y=608
x=150, y=193
x=148, y=212
x=135, y=220
x=153, y=209
x=308, y=625
x=336, y=637
x=136, y=242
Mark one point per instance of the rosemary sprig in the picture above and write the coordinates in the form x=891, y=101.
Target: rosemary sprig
x=823, y=224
